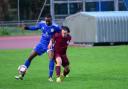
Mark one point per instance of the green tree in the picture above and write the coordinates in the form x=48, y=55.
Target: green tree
x=4, y=6
x=30, y=9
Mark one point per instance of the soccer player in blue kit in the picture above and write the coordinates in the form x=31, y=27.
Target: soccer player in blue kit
x=48, y=29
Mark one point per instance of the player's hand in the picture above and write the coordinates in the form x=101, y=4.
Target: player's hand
x=22, y=26
x=26, y=28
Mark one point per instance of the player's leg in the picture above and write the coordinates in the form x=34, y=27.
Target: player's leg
x=51, y=64
x=65, y=64
x=26, y=64
x=30, y=58
x=66, y=70
x=38, y=50
x=58, y=68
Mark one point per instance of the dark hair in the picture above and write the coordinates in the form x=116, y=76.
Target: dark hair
x=48, y=16
x=66, y=28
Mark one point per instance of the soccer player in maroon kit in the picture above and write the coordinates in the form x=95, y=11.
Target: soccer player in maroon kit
x=61, y=41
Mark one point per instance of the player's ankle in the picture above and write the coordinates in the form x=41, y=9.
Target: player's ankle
x=50, y=79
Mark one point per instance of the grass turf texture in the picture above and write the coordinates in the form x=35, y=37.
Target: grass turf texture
x=16, y=31
x=91, y=68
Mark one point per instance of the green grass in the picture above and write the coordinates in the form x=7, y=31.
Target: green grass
x=16, y=31
x=91, y=68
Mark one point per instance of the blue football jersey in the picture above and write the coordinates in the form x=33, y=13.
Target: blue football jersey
x=47, y=31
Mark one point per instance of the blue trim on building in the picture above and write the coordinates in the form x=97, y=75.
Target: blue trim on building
x=126, y=4
x=104, y=6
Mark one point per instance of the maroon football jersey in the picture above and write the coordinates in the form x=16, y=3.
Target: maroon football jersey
x=61, y=43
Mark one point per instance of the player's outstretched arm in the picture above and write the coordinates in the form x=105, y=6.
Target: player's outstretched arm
x=32, y=28
x=26, y=27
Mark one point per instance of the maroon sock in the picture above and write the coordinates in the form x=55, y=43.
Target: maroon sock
x=58, y=69
x=66, y=71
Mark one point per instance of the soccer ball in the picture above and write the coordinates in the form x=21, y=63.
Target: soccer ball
x=22, y=69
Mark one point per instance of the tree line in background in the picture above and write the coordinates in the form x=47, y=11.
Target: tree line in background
x=29, y=9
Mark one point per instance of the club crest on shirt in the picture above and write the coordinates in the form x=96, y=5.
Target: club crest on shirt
x=46, y=33
x=52, y=30
x=42, y=28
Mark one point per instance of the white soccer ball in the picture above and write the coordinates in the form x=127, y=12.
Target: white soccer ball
x=22, y=69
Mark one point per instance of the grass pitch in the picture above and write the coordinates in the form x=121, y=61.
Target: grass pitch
x=17, y=31
x=91, y=68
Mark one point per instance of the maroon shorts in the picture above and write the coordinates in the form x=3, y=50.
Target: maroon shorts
x=65, y=61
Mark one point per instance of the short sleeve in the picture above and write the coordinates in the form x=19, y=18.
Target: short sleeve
x=58, y=29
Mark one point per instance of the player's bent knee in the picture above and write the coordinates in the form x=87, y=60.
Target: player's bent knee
x=58, y=61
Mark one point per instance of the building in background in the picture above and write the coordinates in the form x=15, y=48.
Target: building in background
x=30, y=9
x=63, y=8
x=98, y=27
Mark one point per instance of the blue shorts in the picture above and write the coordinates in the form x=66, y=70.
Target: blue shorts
x=40, y=49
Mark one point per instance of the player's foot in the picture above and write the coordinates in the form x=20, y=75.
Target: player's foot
x=67, y=76
x=50, y=79
x=19, y=77
x=58, y=80
x=62, y=77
